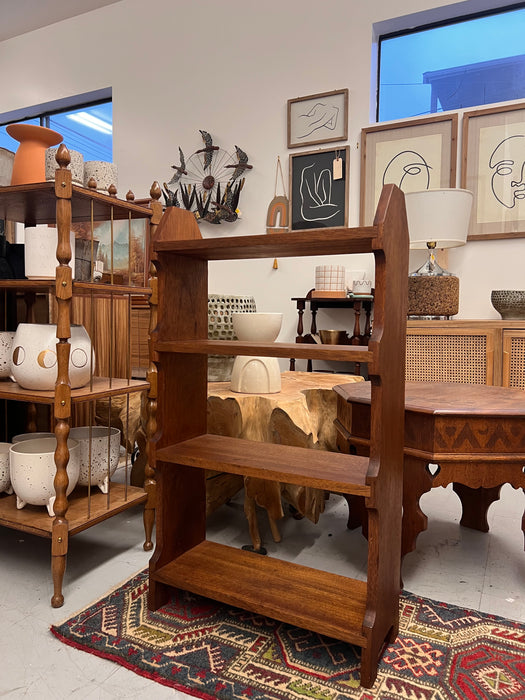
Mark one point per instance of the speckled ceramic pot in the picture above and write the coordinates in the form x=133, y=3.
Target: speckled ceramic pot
x=31, y=436
x=5, y=480
x=6, y=341
x=34, y=359
x=104, y=174
x=509, y=303
x=99, y=447
x=76, y=166
x=40, y=245
x=32, y=469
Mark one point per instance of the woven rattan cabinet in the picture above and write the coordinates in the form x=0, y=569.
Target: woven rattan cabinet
x=60, y=203
x=365, y=613
x=465, y=351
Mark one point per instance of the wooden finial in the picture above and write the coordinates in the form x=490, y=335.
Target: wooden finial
x=130, y=196
x=155, y=191
x=92, y=183
x=62, y=156
x=112, y=190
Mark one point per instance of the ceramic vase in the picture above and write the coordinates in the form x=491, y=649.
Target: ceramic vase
x=5, y=480
x=256, y=375
x=34, y=359
x=29, y=164
x=99, y=454
x=220, y=327
x=6, y=342
x=76, y=166
x=40, y=246
x=32, y=469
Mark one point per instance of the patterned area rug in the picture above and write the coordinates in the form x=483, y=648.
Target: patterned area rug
x=210, y=650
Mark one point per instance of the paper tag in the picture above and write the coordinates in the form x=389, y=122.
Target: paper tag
x=338, y=168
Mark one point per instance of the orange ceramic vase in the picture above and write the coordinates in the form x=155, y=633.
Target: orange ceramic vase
x=29, y=164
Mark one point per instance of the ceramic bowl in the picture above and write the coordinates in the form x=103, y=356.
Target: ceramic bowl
x=510, y=303
x=104, y=174
x=34, y=359
x=31, y=436
x=5, y=480
x=32, y=469
x=259, y=327
x=99, y=447
x=6, y=341
x=76, y=166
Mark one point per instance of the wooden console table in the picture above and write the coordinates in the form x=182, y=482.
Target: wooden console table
x=302, y=414
x=475, y=434
x=358, y=304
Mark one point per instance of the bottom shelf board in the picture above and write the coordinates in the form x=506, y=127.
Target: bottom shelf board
x=327, y=603
x=83, y=512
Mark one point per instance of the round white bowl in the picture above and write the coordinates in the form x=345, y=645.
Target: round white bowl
x=99, y=447
x=258, y=326
x=6, y=341
x=5, y=480
x=34, y=359
x=32, y=469
x=22, y=437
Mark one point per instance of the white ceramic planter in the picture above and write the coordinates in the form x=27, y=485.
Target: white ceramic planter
x=32, y=470
x=34, y=359
x=6, y=341
x=99, y=454
x=256, y=375
x=330, y=278
x=31, y=436
x=76, y=166
x=5, y=480
x=104, y=174
x=40, y=246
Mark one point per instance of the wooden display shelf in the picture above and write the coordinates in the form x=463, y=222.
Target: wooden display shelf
x=100, y=388
x=292, y=465
x=48, y=285
x=35, y=203
x=262, y=585
x=83, y=511
x=343, y=353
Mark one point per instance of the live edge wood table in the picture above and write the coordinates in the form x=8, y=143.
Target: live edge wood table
x=475, y=434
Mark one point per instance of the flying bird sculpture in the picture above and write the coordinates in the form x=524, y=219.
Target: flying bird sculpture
x=208, y=149
x=242, y=164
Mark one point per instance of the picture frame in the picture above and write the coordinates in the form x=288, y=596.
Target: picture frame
x=318, y=196
x=493, y=160
x=415, y=154
x=316, y=119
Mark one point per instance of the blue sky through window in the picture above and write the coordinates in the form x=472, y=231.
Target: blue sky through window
x=404, y=59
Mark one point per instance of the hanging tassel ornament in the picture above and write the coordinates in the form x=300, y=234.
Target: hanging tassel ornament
x=278, y=209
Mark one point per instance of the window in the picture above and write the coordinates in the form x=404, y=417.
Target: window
x=87, y=128
x=465, y=62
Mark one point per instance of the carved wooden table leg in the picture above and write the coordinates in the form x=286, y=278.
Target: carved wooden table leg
x=475, y=504
x=417, y=480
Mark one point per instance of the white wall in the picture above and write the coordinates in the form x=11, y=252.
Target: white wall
x=229, y=67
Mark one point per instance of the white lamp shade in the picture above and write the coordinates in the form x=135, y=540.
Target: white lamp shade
x=441, y=216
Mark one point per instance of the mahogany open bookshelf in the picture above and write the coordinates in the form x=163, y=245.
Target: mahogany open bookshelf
x=365, y=613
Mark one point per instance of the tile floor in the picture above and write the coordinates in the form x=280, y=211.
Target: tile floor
x=485, y=571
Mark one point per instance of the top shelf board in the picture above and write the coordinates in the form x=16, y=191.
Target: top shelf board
x=35, y=203
x=326, y=241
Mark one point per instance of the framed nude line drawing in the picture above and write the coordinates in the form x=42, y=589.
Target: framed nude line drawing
x=417, y=154
x=319, y=118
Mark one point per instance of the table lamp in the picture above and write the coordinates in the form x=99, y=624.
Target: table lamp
x=437, y=218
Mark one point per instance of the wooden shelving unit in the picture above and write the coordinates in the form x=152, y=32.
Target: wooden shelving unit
x=60, y=203
x=364, y=613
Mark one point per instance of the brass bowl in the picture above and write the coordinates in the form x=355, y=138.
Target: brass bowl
x=510, y=303
x=333, y=337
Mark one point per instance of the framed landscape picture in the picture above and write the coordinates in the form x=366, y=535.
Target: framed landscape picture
x=417, y=154
x=318, y=118
x=493, y=157
x=319, y=189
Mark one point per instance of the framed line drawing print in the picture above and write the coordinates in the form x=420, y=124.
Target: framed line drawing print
x=493, y=159
x=319, y=189
x=417, y=154
x=318, y=118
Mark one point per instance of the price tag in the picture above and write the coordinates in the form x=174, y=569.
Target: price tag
x=338, y=168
